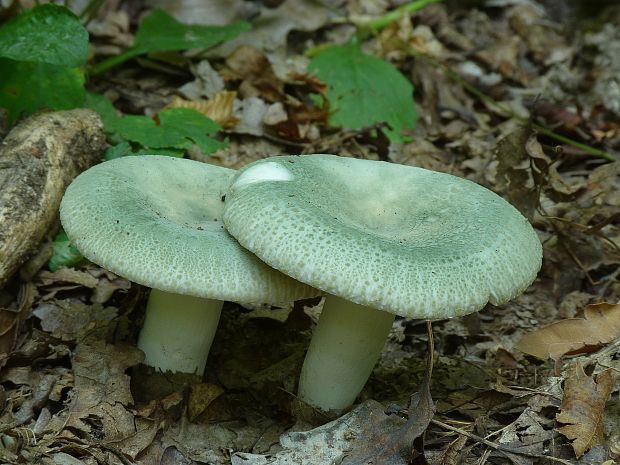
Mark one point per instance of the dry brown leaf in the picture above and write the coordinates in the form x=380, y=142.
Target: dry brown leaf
x=71, y=319
x=67, y=275
x=384, y=441
x=513, y=171
x=201, y=396
x=102, y=396
x=11, y=319
x=252, y=66
x=219, y=108
x=600, y=325
x=582, y=408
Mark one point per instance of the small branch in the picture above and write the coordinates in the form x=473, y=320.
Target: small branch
x=586, y=148
x=508, y=112
x=495, y=446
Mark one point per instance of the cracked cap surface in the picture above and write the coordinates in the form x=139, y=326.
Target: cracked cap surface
x=157, y=221
x=410, y=241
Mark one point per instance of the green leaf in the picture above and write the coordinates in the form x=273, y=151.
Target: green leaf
x=364, y=90
x=160, y=32
x=193, y=125
x=45, y=34
x=178, y=128
x=64, y=253
x=117, y=151
x=104, y=107
x=125, y=149
x=144, y=131
x=27, y=87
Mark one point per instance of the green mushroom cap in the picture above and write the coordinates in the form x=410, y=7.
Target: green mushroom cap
x=157, y=221
x=410, y=241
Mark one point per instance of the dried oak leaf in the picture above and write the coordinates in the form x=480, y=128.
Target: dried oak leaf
x=582, y=408
x=252, y=66
x=101, y=396
x=384, y=442
x=11, y=319
x=600, y=325
x=514, y=172
x=71, y=319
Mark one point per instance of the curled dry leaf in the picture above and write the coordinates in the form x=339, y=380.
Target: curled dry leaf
x=387, y=442
x=99, y=406
x=600, y=325
x=11, y=319
x=201, y=396
x=582, y=408
x=252, y=66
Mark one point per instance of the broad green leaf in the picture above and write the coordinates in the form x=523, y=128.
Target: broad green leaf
x=125, y=149
x=194, y=125
x=177, y=153
x=160, y=32
x=28, y=87
x=144, y=131
x=178, y=128
x=64, y=253
x=104, y=107
x=364, y=90
x=45, y=34
x=117, y=151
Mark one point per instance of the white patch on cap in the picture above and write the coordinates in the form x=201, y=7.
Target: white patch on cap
x=263, y=172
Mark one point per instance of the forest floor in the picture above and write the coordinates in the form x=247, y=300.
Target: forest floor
x=521, y=97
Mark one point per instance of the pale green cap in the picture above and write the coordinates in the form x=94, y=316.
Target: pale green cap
x=406, y=240
x=157, y=221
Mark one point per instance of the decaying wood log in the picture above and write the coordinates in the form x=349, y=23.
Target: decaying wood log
x=38, y=160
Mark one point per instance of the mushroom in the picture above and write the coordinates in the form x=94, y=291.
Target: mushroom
x=380, y=239
x=157, y=221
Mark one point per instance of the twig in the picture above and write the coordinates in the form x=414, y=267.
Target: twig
x=431, y=348
x=509, y=112
x=495, y=446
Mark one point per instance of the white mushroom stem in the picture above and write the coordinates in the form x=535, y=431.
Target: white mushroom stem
x=345, y=347
x=178, y=331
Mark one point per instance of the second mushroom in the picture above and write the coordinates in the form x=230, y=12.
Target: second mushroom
x=380, y=239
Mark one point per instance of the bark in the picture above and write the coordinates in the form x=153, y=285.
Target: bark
x=38, y=160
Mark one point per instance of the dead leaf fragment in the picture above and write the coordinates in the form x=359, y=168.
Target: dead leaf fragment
x=71, y=319
x=68, y=275
x=102, y=395
x=383, y=441
x=582, y=408
x=11, y=319
x=600, y=325
x=202, y=395
x=252, y=66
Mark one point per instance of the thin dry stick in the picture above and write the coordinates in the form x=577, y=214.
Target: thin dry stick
x=495, y=446
x=431, y=349
x=507, y=111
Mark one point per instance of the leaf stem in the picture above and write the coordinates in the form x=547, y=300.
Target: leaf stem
x=111, y=62
x=388, y=18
